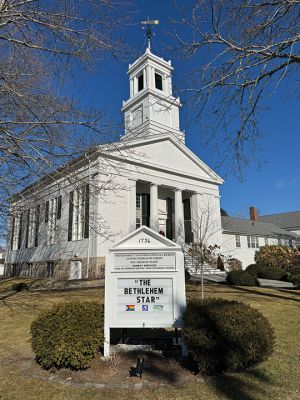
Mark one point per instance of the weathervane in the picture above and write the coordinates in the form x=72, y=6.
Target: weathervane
x=149, y=29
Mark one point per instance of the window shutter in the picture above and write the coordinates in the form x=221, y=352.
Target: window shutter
x=27, y=228
x=37, y=224
x=59, y=207
x=70, y=226
x=87, y=212
x=12, y=233
x=20, y=231
x=46, y=211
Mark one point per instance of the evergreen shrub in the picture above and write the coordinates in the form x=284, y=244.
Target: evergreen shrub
x=295, y=279
x=253, y=269
x=226, y=336
x=271, y=272
x=295, y=270
x=240, y=278
x=68, y=335
x=187, y=275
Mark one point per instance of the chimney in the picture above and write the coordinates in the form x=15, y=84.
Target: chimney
x=253, y=213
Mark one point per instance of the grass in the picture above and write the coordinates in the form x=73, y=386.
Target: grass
x=278, y=378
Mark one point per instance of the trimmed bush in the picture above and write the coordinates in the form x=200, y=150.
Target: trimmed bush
x=240, y=278
x=295, y=270
x=18, y=287
x=226, y=335
x=68, y=335
x=271, y=272
x=295, y=279
x=253, y=269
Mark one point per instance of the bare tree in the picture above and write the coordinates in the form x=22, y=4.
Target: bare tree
x=206, y=230
x=42, y=43
x=243, y=51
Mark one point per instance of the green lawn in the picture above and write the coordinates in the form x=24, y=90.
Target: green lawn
x=277, y=378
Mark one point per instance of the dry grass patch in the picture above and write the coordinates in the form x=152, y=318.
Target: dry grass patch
x=277, y=378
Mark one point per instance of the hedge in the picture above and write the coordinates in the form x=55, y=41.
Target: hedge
x=68, y=335
x=295, y=279
x=240, y=278
x=225, y=335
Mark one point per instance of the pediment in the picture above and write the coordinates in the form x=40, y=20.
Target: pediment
x=166, y=153
x=145, y=238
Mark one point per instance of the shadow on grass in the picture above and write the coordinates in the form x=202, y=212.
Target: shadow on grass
x=264, y=293
x=249, y=385
x=156, y=366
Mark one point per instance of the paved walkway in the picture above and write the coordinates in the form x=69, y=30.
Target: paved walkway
x=270, y=283
x=213, y=278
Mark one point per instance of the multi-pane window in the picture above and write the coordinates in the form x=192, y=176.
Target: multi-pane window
x=266, y=241
x=52, y=214
x=158, y=81
x=283, y=242
x=237, y=240
x=252, y=242
x=142, y=209
x=79, y=214
x=16, y=232
x=32, y=227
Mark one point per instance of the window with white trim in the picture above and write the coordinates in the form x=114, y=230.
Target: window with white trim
x=16, y=232
x=52, y=214
x=32, y=227
x=142, y=209
x=266, y=241
x=79, y=214
x=237, y=241
x=252, y=242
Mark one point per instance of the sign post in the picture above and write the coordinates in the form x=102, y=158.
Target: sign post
x=144, y=283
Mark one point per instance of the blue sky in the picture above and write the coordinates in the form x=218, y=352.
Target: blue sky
x=272, y=188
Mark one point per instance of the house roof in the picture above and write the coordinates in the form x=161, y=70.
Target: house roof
x=288, y=220
x=255, y=228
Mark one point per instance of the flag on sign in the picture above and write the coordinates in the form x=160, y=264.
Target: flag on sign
x=130, y=307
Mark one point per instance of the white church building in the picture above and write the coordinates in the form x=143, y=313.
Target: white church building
x=63, y=225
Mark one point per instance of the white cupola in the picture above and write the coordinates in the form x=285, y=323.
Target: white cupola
x=151, y=108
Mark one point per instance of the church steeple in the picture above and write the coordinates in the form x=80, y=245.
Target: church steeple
x=151, y=108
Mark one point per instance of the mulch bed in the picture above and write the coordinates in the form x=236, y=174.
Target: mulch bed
x=116, y=371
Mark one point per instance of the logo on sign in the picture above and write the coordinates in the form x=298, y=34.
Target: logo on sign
x=145, y=307
x=158, y=307
x=130, y=307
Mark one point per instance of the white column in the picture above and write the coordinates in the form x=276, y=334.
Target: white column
x=196, y=215
x=179, y=218
x=131, y=205
x=148, y=72
x=131, y=87
x=154, y=207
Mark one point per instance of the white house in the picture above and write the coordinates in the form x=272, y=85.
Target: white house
x=241, y=238
x=63, y=225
